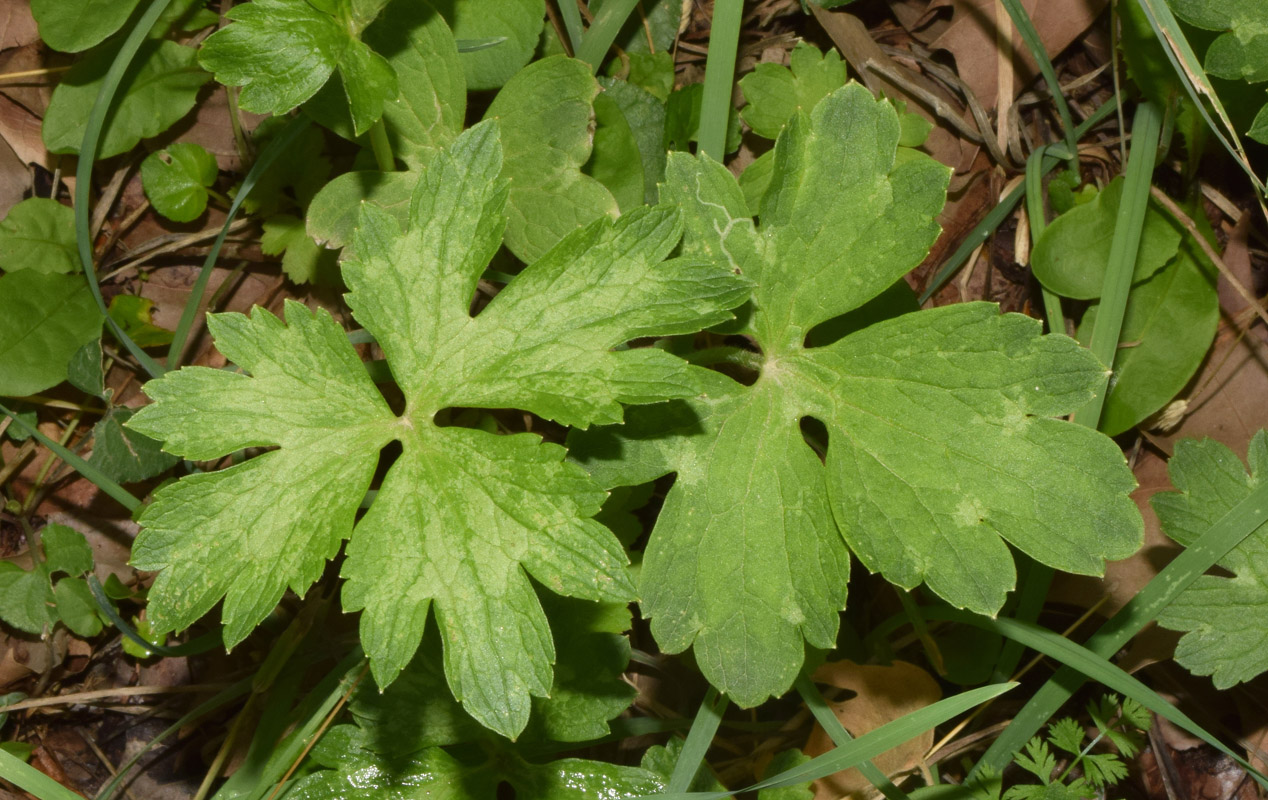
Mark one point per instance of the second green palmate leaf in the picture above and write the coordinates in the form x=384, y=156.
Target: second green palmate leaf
x=463, y=517
x=941, y=451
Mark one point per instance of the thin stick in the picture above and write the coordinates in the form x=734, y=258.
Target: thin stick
x=100, y=694
x=31, y=73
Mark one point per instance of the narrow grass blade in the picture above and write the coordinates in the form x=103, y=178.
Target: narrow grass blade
x=200, y=645
x=83, y=173
x=572, y=23
x=1242, y=520
x=1021, y=20
x=1006, y=205
x=1036, y=214
x=29, y=779
x=308, y=718
x=831, y=725
x=602, y=33
x=1193, y=76
x=276, y=147
x=222, y=698
x=719, y=77
x=867, y=746
x=99, y=478
x=1146, y=128
x=1095, y=667
x=698, y=740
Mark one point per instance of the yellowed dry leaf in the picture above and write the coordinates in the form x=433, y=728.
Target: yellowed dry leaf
x=882, y=694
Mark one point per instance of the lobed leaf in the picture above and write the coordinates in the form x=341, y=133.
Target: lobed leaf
x=176, y=180
x=939, y=447
x=463, y=516
x=1224, y=635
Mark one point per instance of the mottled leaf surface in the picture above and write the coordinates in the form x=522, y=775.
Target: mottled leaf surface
x=1222, y=617
x=463, y=517
x=940, y=446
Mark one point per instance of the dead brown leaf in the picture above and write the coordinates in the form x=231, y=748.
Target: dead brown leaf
x=973, y=37
x=882, y=694
x=17, y=26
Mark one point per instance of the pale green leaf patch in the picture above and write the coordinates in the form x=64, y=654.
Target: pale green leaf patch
x=1225, y=635
x=775, y=93
x=940, y=444
x=39, y=234
x=303, y=260
x=463, y=516
x=176, y=180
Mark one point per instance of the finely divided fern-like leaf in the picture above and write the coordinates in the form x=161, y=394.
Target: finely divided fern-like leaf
x=463, y=517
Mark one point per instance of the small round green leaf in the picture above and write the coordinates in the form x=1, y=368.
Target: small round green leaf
x=176, y=180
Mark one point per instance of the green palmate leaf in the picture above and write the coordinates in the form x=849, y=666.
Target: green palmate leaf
x=1072, y=255
x=44, y=319
x=124, y=455
x=38, y=234
x=517, y=22
x=775, y=93
x=176, y=180
x=1225, y=635
x=303, y=260
x=1170, y=322
x=159, y=88
x=939, y=447
x=463, y=516
x=545, y=113
x=282, y=51
x=74, y=25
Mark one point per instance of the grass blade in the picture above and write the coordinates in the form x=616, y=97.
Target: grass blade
x=1036, y=214
x=1095, y=667
x=1242, y=520
x=1021, y=21
x=867, y=746
x=1146, y=129
x=29, y=779
x=225, y=696
x=572, y=23
x=831, y=725
x=603, y=31
x=83, y=173
x=77, y=463
x=698, y=740
x=998, y=214
x=719, y=77
x=1193, y=76
x=276, y=147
